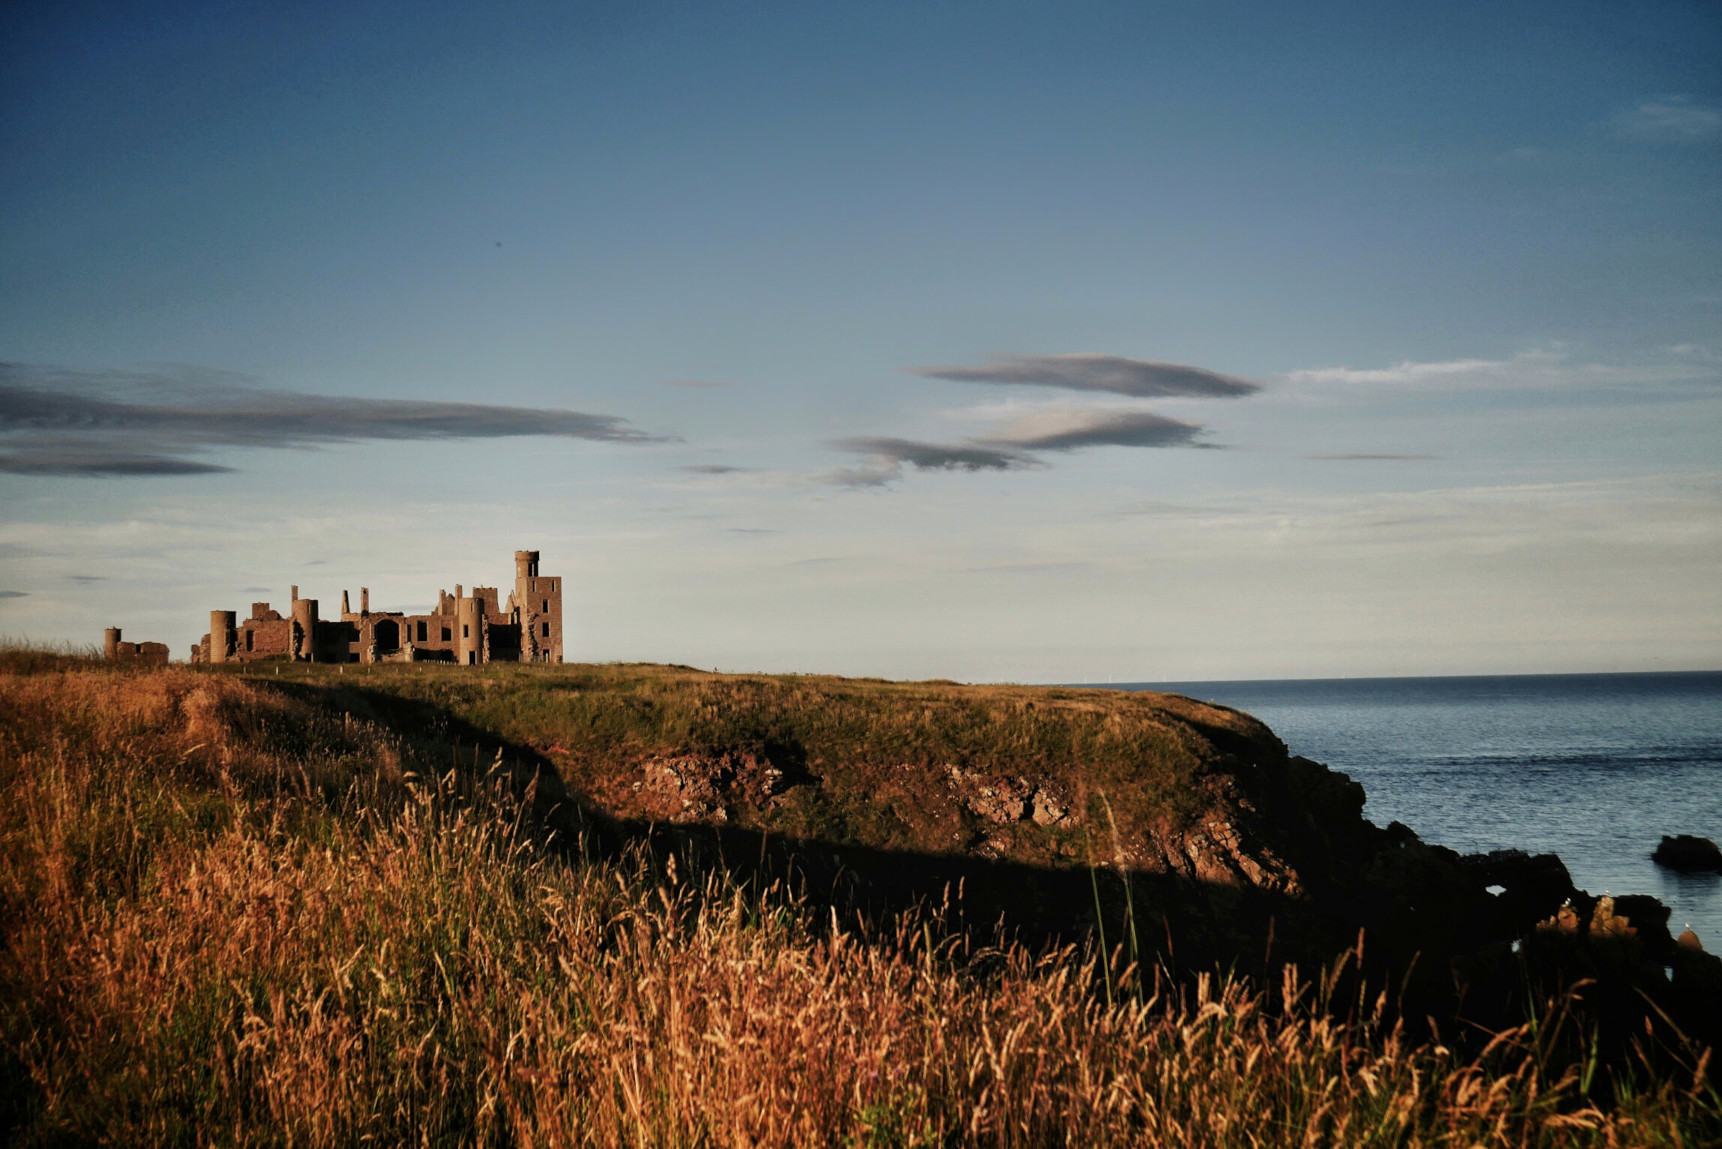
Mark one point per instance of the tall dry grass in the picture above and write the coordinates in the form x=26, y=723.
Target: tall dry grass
x=231, y=917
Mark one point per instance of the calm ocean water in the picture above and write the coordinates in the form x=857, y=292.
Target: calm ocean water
x=1593, y=767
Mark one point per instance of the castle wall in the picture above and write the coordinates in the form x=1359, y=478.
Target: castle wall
x=118, y=651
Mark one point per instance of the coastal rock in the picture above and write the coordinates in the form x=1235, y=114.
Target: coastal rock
x=691, y=788
x=1004, y=800
x=1688, y=854
x=688, y=788
x=1648, y=919
x=1697, y=990
x=1049, y=808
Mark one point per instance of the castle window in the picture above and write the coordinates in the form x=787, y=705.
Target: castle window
x=445, y=634
x=546, y=607
x=546, y=630
x=466, y=631
x=421, y=631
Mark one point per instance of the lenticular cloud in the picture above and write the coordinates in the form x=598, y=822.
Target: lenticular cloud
x=1140, y=378
x=56, y=422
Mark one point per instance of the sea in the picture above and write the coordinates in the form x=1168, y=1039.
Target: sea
x=1593, y=767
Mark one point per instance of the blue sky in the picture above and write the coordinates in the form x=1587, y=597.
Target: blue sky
x=834, y=337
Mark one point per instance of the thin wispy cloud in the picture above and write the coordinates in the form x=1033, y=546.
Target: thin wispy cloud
x=92, y=456
x=60, y=422
x=1669, y=119
x=937, y=456
x=14, y=594
x=1139, y=378
x=1013, y=447
x=713, y=469
x=1408, y=373
x=1071, y=430
x=1529, y=370
x=884, y=459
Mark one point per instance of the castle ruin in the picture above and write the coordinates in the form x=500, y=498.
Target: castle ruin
x=116, y=651
x=468, y=629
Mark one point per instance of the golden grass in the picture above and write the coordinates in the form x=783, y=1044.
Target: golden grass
x=230, y=917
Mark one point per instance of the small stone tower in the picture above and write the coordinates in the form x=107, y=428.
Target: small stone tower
x=222, y=626
x=539, y=601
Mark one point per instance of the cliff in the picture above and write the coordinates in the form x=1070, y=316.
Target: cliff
x=1181, y=830
x=591, y=905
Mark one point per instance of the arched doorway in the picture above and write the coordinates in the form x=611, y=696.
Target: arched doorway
x=388, y=636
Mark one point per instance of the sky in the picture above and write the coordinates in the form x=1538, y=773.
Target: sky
x=1051, y=342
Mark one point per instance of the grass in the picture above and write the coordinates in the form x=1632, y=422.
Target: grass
x=234, y=914
x=873, y=745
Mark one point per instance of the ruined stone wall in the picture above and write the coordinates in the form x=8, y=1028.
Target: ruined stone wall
x=117, y=651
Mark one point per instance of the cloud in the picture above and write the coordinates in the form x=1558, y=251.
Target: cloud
x=1141, y=378
x=1410, y=374
x=1543, y=368
x=94, y=459
x=1670, y=120
x=936, y=456
x=14, y=594
x=1070, y=430
x=713, y=469
x=60, y=422
x=1015, y=445
x=1012, y=447
x=874, y=473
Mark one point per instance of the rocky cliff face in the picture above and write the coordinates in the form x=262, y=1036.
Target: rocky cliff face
x=1224, y=836
x=1266, y=856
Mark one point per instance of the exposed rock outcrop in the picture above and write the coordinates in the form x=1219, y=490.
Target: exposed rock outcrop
x=697, y=788
x=1688, y=854
x=1004, y=799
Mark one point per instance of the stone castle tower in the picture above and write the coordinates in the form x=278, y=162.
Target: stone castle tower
x=539, y=602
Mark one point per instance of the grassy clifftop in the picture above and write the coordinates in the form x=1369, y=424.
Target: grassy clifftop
x=317, y=911
x=891, y=765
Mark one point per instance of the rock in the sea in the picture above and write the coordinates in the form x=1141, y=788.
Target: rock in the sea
x=1688, y=854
